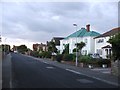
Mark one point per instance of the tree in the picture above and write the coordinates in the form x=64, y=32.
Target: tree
x=74, y=50
x=115, y=42
x=52, y=47
x=80, y=46
x=66, y=50
x=22, y=49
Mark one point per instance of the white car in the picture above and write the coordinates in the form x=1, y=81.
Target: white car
x=15, y=51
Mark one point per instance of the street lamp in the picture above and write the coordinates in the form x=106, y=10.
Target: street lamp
x=75, y=25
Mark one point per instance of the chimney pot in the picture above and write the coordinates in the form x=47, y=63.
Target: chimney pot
x=88, y=27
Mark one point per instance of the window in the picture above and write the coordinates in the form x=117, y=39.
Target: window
x=99, y=51
x=84, y=52
x=100, y=41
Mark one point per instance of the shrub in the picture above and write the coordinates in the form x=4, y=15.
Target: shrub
x=59, y=57
x=35, y=53
x=85, y=59
x=104, y=61
x=68, y=57
x=48, y=54
x=45, y=54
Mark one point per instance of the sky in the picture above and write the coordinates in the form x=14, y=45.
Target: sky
x=32, y=21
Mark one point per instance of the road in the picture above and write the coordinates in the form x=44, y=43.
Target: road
x=27, y=72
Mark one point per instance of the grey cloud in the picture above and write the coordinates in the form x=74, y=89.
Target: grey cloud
x=38, y=20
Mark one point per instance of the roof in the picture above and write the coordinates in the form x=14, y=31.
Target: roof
x=108, y=46
x=110, y=33
x=57, y=40
x=91, y=33
x=83, y=33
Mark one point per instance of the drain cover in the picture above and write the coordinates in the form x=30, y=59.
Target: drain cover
x=84, y=81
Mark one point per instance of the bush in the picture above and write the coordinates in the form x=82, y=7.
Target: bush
x=104, y=61
x=59, y=57
x=85, y=59
x=35, y=53
x=48, y=54
x=45, y=55
x=68, y=57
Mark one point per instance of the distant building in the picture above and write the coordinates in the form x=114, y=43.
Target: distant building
x=83, y=35
x=35, y=47
x=102, y=47
x=40, y=47
x=14, y=48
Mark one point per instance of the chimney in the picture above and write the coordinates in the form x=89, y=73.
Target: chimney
x=88, y=27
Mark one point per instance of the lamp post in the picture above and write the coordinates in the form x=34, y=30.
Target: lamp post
x=75, y=25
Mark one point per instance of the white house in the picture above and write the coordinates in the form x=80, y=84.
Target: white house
x=102, y=47
x=83, y=35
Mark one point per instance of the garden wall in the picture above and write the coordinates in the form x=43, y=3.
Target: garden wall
x=115, y=67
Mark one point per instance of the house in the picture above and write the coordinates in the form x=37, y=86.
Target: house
x=35, y=47
x=102, y=47
x=83, y=35
x=56, y=40
x=39, y=47
x=42, y=47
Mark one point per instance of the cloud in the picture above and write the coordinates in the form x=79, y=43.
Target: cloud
x=40, y=21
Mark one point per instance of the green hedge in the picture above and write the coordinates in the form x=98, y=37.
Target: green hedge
x=45, y=54
x=85, y=59
x=104, y=61
x=59, y=57
x=35, y=53
x=68, y=57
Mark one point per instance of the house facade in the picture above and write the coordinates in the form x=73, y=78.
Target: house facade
x=83, y=35
x=40, y=47
x=102, y=47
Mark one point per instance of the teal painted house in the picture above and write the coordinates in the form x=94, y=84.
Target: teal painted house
x=83, y=35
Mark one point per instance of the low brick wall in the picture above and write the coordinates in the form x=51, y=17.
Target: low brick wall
x=115, y=67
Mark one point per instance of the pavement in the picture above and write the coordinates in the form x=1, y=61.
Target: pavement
x=6, y=71
x=102, y=74
x=0, y=70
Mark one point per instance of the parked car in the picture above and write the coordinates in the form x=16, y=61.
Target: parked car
x=15, y=51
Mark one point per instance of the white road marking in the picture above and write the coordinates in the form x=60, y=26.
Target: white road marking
x=50, y=67
x=73, y=71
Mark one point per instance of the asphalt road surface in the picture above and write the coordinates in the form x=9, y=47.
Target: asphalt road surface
x=27, y=72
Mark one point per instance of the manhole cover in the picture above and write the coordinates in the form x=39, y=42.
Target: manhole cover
x=84, y=81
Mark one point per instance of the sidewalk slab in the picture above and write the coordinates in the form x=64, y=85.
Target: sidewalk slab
x=6, y=72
